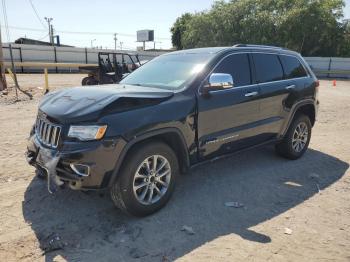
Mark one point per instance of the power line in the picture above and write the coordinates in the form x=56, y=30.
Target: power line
x=41, y=38
x=80, y=33
x=37, y=14
x=5, y=20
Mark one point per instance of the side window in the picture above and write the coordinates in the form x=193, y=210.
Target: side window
x=238, y=66
x=292, y=67
x=268, y=68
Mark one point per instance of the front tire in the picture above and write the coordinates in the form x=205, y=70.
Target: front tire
x=297, y=138
x=147, y=179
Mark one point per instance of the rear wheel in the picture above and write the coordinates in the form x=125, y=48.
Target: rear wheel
x=89, y=81
x=297, y=138
x=147, y=180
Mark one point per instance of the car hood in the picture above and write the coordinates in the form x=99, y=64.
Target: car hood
x=87, y=103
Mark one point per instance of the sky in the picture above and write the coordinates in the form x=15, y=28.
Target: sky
x=85, y=22
x=104, y=16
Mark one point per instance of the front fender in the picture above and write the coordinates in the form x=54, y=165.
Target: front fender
x=141, y=138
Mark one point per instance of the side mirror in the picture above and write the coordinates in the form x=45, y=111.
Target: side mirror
x=218, y=81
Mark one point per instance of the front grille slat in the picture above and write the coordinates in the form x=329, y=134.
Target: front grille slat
x=44, y=131
x=41, y=128
x=47, y=133
x=53, y=136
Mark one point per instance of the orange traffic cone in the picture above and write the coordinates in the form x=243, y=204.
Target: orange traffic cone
x=334, y=83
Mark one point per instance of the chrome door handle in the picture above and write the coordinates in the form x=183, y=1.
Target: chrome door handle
x=251, y=94
x=290, y=87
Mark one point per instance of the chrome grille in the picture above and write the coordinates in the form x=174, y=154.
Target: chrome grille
x=47, y=133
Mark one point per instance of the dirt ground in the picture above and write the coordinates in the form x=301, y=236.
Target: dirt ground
x=293, y=210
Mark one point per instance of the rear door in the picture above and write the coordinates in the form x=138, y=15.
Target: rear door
x=227, y=118
x=295, y=75
x=274, y=90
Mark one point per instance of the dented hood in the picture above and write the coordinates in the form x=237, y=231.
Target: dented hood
x=87, y=103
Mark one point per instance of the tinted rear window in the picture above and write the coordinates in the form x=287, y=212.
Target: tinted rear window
x=268, y=68
x=238, y=66
x=292, y=67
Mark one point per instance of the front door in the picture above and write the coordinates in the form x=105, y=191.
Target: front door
x=273, y=92
x=227, y=119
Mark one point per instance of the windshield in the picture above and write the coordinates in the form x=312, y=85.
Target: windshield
x=170, y=72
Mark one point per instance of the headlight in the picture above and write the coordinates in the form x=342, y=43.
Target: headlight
x=85, y=133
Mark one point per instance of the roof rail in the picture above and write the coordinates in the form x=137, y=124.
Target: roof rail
x=260, y=46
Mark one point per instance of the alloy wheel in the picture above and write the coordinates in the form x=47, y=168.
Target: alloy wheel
x=152, y=179
x=300, y=137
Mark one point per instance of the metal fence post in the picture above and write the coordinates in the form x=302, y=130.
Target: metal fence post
x=329, y=66
x=55, y=51
x=86, y=56
x=21, y=58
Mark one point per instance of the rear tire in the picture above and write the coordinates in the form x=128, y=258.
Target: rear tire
x=89, y=81
x=143, y=188
x=297, y=138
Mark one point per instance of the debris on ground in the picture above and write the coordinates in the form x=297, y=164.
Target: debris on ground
x=188, y=230
x=288, y=231
x=52, y=243
x=318, y=188
x=234, y=204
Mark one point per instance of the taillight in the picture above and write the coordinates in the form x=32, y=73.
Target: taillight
x=317, y=83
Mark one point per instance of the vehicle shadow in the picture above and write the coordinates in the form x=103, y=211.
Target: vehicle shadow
x=91, y=229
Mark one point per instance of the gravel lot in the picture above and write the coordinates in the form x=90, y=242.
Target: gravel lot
x=293, y=210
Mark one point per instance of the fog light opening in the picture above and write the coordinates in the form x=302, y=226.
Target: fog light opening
x=81, y=170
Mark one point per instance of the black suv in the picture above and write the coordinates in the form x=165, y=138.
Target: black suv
x=176, y=111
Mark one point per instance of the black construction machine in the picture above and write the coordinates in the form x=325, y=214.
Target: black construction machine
x=112, y=67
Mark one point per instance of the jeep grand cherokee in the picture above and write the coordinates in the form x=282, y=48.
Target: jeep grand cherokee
x=180, y=109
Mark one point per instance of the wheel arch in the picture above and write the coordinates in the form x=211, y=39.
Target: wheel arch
x=170, y=136
x=306, y=107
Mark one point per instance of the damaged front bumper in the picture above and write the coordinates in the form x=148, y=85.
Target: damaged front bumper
x=80, y=165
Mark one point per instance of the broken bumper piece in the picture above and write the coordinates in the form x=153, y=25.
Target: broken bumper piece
x=85, y=166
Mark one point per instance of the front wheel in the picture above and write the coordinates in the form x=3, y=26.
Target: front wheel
x=297, y=138
x=147, y=180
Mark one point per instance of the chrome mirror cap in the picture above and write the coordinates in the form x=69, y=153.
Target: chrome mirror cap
x=220, y=80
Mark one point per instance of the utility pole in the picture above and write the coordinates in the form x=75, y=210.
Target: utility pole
x=92, y=42
x=121, y=45
x=115, y=41
x=52, y=41
x=48, y=20
x=3, y=84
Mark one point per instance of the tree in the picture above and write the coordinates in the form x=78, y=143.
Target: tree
x=178, y=29
x=312, y=27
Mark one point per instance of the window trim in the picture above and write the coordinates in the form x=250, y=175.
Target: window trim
x=279, y=61
x=251, y=60
x=234, y=87
x=249, y=64
x=302, y=64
